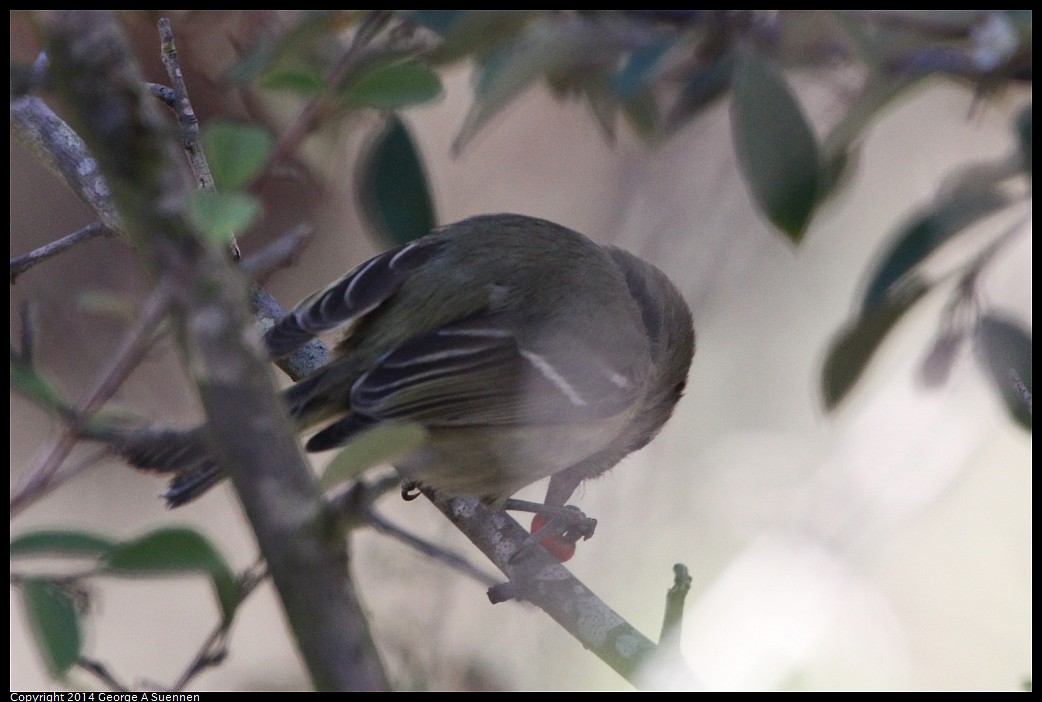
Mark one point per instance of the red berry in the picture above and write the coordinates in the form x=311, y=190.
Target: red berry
x=559, y=548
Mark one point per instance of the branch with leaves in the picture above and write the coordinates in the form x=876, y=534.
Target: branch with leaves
x=657, y=70
x=331, y=631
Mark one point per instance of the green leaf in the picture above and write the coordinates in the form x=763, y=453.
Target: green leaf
x=636, y=74
x=302, y=79
x=477, y=32
x=1023, y=130
x=34, y=387
x=106, y=304
x=776, y=147
x=392, y=187
x=313, y=28
x=1004, y=350
x=642, y=113
x=392, y=86
x=179, y=552
x=236, y=152
x=603, y=101
x=438, y=21
x=927, y=232
x=546, y=50
x=840, y=148
x=222, y=215
x=703, y=86
x=61, y=542
x=382, y=444
x=854, y=346
x=55, y=624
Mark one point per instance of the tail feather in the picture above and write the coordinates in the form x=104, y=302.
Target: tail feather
x=185, y=454
x=188, y=485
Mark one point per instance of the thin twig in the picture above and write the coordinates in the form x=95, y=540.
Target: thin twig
x=312, y=355
x=64, y=475
x=27, y=346
x=428, y=549
x=354, y=508
x=164, y=93
x=215, y=646
x=673, y=616
x=136, y=341
x=308, y=118
x=212, y=653
x=63, y=152
x=21, y=264
x=186, y=118
x=279, y=253
x=102, y=673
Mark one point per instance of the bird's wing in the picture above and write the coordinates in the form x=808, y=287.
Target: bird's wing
x=475, y=372
x=354, y=295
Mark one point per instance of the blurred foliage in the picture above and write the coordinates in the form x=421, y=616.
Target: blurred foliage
x=54, y=620
x=55, y=605
x=660, y=70
x=392, y=186
x=1004, y=349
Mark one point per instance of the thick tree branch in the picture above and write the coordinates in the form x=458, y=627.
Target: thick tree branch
x=97, y=75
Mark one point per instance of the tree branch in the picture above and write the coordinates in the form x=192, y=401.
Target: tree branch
x=539, y=578
x=97, y=75
x=62, y=150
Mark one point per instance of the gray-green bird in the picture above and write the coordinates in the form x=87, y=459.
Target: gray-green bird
x=525, y=349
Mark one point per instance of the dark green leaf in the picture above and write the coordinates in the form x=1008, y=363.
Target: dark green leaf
x=836, y=167
x=313, y=27
x=31, y=385
x=55, y=624
x=392, y=86
x=926, y=232
x=776, y=148
x=545, y=51
x=392, y=187
x=477, y=32
x=839, y=150
x=642, y=113
x=179, y=552
x=236, y=153
x=301, y=79
x=702, y=88
x=439, y=21
x=1023, y=129
x=382, y=444
x=637, y=72
x=1004, y=350
x=854, y=346
x=223, y=215
x=603, y=102
x=60, y=542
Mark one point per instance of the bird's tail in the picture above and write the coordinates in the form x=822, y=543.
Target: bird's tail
x=185, y=454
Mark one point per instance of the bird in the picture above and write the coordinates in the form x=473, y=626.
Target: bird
x=524, y=349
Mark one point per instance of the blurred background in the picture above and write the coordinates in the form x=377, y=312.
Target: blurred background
x=883, y=545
